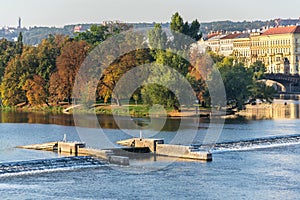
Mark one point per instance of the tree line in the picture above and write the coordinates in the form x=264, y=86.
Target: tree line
x=45, y=74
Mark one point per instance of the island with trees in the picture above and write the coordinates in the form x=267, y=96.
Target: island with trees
x=41, y=77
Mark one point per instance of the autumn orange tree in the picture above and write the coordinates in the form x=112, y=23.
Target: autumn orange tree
x=68, y=63
x=117, y=69
x=35, y=90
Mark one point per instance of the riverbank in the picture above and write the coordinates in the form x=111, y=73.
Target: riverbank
x=124, y=110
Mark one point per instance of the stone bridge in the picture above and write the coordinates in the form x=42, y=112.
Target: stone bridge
x=291, y=83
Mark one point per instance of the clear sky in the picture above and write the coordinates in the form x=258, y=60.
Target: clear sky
x=61, y=12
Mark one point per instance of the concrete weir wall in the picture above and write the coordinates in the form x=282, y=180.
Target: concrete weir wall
x=78, y=148
x=69, y=147
x=157, y=146
x=150, y=143
x=182, y=152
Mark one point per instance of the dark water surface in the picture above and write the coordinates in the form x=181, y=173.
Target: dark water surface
x=255, y=159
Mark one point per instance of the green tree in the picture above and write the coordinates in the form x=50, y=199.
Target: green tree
x=237, y=81
x=259, y=90
x=258, y=69
x=166, y=87
x=173, y=60
x=16, y=74
x=11, y=90
x=48, y=51
x=19, y=44
x=157, y=38
x=7, y=52
x=98, y=33
x=180, y=28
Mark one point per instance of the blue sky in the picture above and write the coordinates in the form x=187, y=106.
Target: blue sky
x=61, y=12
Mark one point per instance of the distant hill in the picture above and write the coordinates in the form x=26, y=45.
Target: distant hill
x=245, y=25
x=34, y=35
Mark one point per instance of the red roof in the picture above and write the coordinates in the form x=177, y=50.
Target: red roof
x=231, y=36
x=282, y=30
x=212, y=35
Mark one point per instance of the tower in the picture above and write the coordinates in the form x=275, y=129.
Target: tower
x=19, y=23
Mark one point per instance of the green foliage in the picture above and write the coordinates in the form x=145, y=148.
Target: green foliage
x=112, y=74
x=98, y=33
x=258, y=70
x=260, y=90
x=48, y=51
x=46, y=72
x=165, y=86
x=236, y=80
x=11, y=90
x=19, y=44
x=156, y=94
x=179, y=29
x=7, y=52
x=157, y=38
x=94, y=36
x=215, y=57
x=175, y=61
x=241, y=83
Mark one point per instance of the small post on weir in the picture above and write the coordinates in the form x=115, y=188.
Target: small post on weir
x=65, y=138
x=141, y=134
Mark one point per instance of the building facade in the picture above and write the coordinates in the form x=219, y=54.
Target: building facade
x=226, y=44
x=278, y=48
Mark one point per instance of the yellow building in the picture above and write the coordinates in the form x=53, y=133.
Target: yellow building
x=242, y=48
x=278, y=48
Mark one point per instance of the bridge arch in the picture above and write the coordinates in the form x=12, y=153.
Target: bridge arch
x=279, y=87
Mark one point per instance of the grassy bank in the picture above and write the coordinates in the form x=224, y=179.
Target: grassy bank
x=46, y=109
x=104, y=109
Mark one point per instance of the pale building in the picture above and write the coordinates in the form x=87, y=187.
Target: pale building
x=212, y=41
x=226, y=44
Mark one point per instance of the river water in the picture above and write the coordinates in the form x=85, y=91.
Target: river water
x=253, y=159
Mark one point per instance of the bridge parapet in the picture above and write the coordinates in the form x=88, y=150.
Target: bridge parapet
x=295, y=79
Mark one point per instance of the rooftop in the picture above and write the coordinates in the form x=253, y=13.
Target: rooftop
x=231, y=36
x=244, y=35
x=282, y=30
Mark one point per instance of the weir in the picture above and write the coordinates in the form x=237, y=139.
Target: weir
x=158, y=147
x=120, y=156
x=78, y=148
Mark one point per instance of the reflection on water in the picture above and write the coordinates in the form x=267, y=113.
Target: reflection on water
x=280, y=109
x=35, y=118
x=87, y=120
